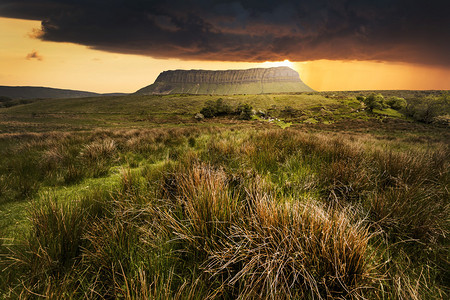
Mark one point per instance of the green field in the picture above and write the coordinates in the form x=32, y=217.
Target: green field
x=316, y=196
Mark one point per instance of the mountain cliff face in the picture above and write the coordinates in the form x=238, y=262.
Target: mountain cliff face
x=251, y=81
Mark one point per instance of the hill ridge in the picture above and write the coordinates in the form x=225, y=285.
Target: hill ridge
x=35, y=92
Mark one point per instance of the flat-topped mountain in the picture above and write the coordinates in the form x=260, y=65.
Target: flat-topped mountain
x=250, y=81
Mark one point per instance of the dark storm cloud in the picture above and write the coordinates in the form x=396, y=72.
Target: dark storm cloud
x=254, y=30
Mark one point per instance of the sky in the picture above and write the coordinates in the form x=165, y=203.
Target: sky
x=121, y=46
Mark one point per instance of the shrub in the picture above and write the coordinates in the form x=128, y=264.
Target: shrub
x=375, y=101
x=427, y=109
x=360, y=98
x=396, y=103
x=209, y=110
x=220, y=108
x=244, y=111
x=216, y=108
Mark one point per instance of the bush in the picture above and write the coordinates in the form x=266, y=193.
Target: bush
x=209, y=110
x=244, y=111
x=216, y=108
x=220, y=108
x=375, y=101
x=396, y=103
x=428, y=109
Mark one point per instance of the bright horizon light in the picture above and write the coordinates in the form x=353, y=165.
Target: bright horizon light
x=284, y=63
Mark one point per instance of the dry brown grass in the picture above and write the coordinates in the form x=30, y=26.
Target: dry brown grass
x=99, y=150
x=269, y=248
x=293, y=250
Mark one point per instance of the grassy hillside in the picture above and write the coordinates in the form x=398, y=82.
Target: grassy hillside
x=225, y=88
x=38, y=92
x=178, y=103
x=132, y=197
x=32, y=92
x=135, y=110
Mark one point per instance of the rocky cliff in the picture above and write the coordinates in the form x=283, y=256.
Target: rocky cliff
x=251, y=81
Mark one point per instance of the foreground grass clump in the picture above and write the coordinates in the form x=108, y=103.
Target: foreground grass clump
x=286, y=251
x=189, y=214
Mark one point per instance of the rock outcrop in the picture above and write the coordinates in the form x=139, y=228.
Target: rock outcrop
x=251, y=81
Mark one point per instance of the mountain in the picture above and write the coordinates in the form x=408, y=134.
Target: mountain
x=250, y=81
x=32, y=92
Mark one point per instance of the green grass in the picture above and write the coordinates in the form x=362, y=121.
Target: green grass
x=277, y=122
x=178, y=104
x=388, y=112
x=135, y=111
x=351, y=206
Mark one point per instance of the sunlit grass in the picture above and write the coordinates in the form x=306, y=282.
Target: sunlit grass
x=227, y=209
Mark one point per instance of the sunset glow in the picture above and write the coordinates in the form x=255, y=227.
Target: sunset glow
x=28, y=61
x=284, y=63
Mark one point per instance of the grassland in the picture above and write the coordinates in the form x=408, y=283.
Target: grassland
x=131, y=197
x=132, y=111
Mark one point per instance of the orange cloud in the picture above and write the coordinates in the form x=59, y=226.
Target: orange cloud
x=34, y=55
x=35, y=33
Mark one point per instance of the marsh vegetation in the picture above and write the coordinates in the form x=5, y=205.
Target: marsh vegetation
x=352, y=206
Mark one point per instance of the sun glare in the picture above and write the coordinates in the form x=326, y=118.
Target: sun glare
x=284, y=63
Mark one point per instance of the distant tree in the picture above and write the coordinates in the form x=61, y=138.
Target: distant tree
x=245, y=111
x=209, y=110
x=396, y=103
x=222, y=108
x=375, y=101
x=428, y=109
x=360, y=98
x=216, y=108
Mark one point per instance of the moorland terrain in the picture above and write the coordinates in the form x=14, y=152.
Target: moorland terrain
x=335, y=195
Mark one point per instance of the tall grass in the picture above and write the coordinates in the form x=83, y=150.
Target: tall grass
x=276, y=214
x=290, y=250
x=57, y=158
x=53, y=247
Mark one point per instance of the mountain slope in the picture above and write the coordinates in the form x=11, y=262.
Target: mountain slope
x=228, y=82
x=32, y=92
